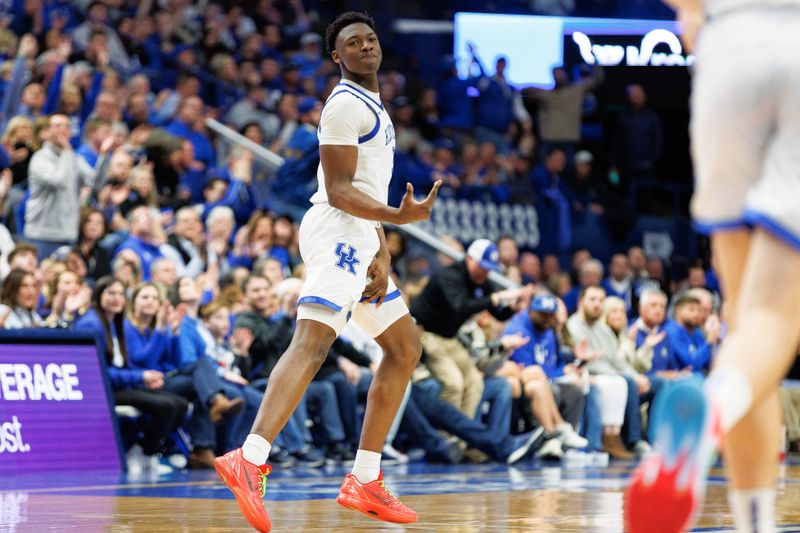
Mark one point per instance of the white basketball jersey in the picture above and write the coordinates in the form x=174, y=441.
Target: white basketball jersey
x=354, y=116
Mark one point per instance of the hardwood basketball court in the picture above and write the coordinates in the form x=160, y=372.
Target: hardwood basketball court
x=466, y=498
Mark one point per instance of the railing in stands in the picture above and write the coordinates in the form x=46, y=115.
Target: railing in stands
x=231, y=136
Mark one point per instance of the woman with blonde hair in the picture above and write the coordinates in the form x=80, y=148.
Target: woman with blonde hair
x=615, y=315
x=19, y=143
x=613, y=389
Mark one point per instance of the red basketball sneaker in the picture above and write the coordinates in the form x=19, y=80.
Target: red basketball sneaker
x=667, y=488
x=248, y=482
x=374, y=500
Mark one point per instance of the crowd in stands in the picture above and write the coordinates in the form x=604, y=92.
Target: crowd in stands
x=126, y=218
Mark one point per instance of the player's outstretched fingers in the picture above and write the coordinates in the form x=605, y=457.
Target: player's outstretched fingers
x=434, y=191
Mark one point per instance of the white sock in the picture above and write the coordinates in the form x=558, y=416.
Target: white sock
x=367, y=467
x=731, y=391
x=256, y=449
x=753, y=510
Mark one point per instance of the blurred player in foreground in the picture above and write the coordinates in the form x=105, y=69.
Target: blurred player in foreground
x=745, y=132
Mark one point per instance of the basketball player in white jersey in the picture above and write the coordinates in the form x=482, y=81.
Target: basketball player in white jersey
x=746, y=138
x=343, y=246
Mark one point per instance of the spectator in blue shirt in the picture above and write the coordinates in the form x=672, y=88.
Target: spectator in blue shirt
x=553, y=205
x=652, y=314
x=693, y=348
x=552, y=387
x=296, y=181
x=96, y=130
x=139, y=387
x=619, y=282
x=589, y=275
x=22, y=96
x=224, y=189
x=141, y=238
x=189, y=124
x=499, y=104
x=206, y=379
x=453, y=99
x=709, y=317
x=309, y=60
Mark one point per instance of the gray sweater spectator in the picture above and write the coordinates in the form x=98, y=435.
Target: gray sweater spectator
x=586, y=324
x=55, y=176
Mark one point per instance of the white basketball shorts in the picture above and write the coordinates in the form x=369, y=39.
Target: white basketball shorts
x=337, y=249
x=746, y=123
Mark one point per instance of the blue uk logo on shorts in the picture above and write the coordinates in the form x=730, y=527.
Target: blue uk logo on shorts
x=347, y=257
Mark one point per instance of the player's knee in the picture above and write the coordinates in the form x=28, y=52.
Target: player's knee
x=408, y=352
x=311, y=349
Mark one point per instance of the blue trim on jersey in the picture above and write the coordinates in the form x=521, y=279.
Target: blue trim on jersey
x=319, y=300
x=707, y=228
x=777, y=229
x=389, y=297
x=379, y=104
x=374, y=132
x=376, y=129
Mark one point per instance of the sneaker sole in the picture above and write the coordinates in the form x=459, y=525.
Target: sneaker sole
x=519, y=453
x=373, y=511
x=668, y=486
x=224, y=472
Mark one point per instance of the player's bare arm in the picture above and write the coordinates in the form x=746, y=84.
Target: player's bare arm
x=339, y=167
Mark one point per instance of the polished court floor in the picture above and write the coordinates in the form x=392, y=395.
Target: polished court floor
x=467, y=498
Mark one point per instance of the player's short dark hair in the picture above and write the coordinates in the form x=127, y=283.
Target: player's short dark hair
x=341, y=22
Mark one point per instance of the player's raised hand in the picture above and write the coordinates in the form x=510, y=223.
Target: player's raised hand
x=411, y=210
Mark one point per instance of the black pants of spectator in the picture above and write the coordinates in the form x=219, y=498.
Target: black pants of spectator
x=570, y=401
x=164, y=413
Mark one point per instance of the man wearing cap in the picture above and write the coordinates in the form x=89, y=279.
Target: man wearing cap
x=552, y=386
x=452, y=296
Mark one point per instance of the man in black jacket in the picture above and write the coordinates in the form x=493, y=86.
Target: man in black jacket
x=452, y=296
